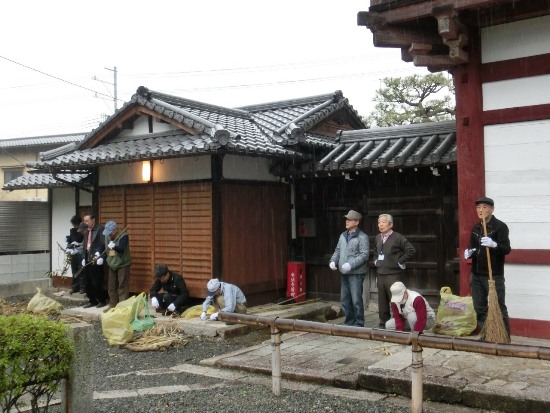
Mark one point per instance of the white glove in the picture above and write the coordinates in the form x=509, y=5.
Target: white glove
x=346, y=268
x=83, y=262
x=402, y=266
x=332, y=266
x=488, y=242
x=171, y=307
x=203, y=316
x=214, y=317
x=97, y=254
x=111, y=244
x=155, y=302
x=73, y=252
x=74, y=243
x=468, y=253
x=99, y=261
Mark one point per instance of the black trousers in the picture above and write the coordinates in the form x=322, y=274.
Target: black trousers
x=479, y=284
x=94, y=284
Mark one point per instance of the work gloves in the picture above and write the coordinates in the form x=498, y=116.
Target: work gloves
x=155, y=302
x=74, y=243
x=98, y=259
x=83, y=262
x=203, y=316
x=214, y=317
x=468, y=253
x=346, y=268
x=73, y=252
x=402, y=266
x=111, y=245
x=333, y=266
x=488, y=242
x=171, y=307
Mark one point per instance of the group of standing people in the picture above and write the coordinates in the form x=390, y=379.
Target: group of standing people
x=94, y=245
x=392, y=251
x=398, y=307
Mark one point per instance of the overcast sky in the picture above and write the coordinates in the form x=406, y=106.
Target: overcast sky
x=228, y=53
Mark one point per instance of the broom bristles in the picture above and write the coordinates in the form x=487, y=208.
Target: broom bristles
x=494, y=329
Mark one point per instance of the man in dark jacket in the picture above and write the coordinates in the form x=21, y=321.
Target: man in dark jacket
x=94, y=246
x=391, y=253
x=498, y=243
x=74, y=242
x=175, y=296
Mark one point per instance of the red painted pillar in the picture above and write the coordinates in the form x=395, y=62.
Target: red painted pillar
x=470, y=149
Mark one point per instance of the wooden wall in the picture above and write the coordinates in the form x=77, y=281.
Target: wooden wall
x=167, y=223
x=255, y=234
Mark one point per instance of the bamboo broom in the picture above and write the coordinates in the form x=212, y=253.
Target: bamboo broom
x=493, y=329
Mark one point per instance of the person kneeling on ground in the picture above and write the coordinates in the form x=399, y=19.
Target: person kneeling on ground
x=175, y=296
x=225, y=297
x=411, y=311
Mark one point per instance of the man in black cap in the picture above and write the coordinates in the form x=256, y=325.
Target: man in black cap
x=498, y=243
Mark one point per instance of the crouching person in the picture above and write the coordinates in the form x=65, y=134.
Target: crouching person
x=410, y=311
x=225, y=297
x=175, y=296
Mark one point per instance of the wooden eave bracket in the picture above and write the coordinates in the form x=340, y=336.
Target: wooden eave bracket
x=394, y=36
x=453, y=33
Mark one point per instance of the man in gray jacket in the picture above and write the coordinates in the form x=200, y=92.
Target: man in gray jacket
x=350, y=257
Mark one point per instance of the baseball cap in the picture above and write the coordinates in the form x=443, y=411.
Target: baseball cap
x=397, y=292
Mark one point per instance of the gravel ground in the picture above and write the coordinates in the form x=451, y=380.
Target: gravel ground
x=111, y=364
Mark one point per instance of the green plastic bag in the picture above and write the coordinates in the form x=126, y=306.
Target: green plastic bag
x=455, y=315
x=145, y=323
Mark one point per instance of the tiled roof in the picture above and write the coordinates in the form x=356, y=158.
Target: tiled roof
x=33, y=181
x=426, y=144
x=266, y=129
x=42, y=140
x=162, y=145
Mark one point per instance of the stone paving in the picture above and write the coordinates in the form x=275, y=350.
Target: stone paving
x=374, y=369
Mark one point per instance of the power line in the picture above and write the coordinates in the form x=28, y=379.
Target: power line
x=55, y=77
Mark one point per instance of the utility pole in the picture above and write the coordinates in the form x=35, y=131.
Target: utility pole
x=114, y=84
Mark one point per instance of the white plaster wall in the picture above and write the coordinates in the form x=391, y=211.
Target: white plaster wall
x=141, y=127
x=523, y=38
x=245, y=167
x=85, y=199
x=517, y=174
x=182, y=169
x=166, y=170
x=526, y=91
x=63, y=208
x=527, y=291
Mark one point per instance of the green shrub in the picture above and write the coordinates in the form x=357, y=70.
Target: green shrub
x=35, y=355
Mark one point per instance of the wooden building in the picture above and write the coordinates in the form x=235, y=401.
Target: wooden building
x=214, y=203
x=406, y=171
x=498, y=53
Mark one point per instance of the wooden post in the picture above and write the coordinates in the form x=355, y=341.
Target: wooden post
x=276, y=359
x=416, y=376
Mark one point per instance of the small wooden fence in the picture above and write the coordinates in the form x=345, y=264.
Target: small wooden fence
x=415, y=340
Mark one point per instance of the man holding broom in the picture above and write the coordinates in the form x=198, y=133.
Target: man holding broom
x=492, y=235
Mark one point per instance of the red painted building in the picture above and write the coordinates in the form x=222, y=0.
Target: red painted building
x=498, y=53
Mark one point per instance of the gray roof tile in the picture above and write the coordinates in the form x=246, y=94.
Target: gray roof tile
x=32, y=181
x=50, y=140
x=427, y=144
